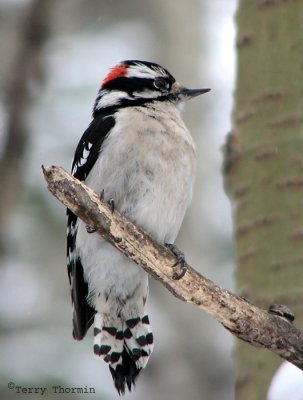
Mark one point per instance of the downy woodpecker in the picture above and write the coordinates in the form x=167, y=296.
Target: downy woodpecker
x=138, y=153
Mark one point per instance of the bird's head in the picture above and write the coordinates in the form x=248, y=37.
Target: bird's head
x=135, y=82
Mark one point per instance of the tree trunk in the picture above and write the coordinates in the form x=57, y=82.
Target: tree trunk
x=264, y=172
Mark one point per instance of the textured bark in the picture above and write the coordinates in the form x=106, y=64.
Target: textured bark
x=248, y=322
x=265, y=171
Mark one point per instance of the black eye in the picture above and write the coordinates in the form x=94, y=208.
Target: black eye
x=161, y=84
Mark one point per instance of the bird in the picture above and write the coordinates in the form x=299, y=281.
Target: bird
x=139, y=156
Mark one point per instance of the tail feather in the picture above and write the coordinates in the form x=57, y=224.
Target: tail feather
x=125, y=373
x=126, y=351
x=139, y=340
x=108, y=341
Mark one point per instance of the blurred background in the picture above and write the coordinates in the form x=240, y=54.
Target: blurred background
x=54, y=55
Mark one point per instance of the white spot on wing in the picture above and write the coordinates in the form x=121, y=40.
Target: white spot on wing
x=85, y=153
x=81, y=162
x=74, y=169
x=72, y=256
x=71, y=230
x=83, y=159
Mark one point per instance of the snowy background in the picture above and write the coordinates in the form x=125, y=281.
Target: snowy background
x=195, y=41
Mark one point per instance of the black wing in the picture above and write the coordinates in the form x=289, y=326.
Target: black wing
x=85, y=157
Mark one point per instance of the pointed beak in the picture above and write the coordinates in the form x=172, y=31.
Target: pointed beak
x=189, y=93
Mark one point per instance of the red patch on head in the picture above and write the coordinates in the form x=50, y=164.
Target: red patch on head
x=116, y=72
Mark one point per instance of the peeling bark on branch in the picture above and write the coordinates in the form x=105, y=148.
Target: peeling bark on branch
x=270, y=330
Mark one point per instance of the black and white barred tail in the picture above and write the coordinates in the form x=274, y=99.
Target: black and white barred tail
x=125, y=345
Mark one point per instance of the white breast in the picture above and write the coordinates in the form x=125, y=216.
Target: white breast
x=147, y=166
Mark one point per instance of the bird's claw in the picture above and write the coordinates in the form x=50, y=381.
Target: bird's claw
x=180, y=261
x=90, y=229
x=110, y=202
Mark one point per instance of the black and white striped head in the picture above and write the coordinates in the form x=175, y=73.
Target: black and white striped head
x=135, y=82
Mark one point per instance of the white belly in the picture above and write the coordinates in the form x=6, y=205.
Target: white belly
x=149, y=173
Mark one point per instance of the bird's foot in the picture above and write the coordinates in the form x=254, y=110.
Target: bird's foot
x=90, y=229
x=110, y=202
x=181, y=262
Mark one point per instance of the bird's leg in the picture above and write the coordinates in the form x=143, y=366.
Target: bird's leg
x=180, y=260
x=90, y=229
x=111, y=203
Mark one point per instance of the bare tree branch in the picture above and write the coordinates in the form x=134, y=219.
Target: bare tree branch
x=272, y=330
